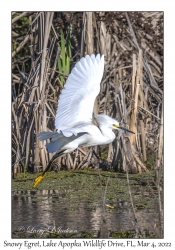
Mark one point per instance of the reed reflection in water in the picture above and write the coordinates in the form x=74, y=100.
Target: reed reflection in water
x=43, y=210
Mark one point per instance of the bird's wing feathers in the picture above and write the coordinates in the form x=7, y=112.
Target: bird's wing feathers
x=76, y=101
x=81, y=128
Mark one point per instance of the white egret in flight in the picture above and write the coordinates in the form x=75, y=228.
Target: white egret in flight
x=73, y=119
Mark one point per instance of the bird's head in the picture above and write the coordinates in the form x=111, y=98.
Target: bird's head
x=105, y=120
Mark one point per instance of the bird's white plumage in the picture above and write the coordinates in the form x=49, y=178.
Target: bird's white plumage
x=75, y=107
x=76, y=101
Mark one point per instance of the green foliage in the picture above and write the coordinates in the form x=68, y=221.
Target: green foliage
x=150, y=161
x=122, y=234
x=24, y=168
x=88, y=235
x=14, y=46
x=24, y=20
x=131, y=234
x=65, y=56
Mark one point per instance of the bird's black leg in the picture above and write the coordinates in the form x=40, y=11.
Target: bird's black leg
x=52, y=160
x=93, y=151
x=40, y=177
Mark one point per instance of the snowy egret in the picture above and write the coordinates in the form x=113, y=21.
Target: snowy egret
x=74, y=114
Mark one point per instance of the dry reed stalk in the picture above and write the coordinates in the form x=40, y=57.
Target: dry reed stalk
x=83, y=34
x=160, y=148
x=48, y=22
x=89, y=33
x=103, y=38
x=133, y=75
x=143, y=140
x=140, y=163
x=75, y=159
x=132, y=116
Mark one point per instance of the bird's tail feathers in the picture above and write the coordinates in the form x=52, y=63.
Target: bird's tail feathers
x=47, y=135
x=55, y=145
x=57, y=140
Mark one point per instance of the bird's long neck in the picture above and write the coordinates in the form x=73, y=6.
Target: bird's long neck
x=107, y=133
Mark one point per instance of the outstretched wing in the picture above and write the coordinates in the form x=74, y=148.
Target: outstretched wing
x=76, y=101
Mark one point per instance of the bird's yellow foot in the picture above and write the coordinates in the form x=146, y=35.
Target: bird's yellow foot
x=38, y=179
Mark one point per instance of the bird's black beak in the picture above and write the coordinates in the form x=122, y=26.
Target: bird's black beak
x=127, y=130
